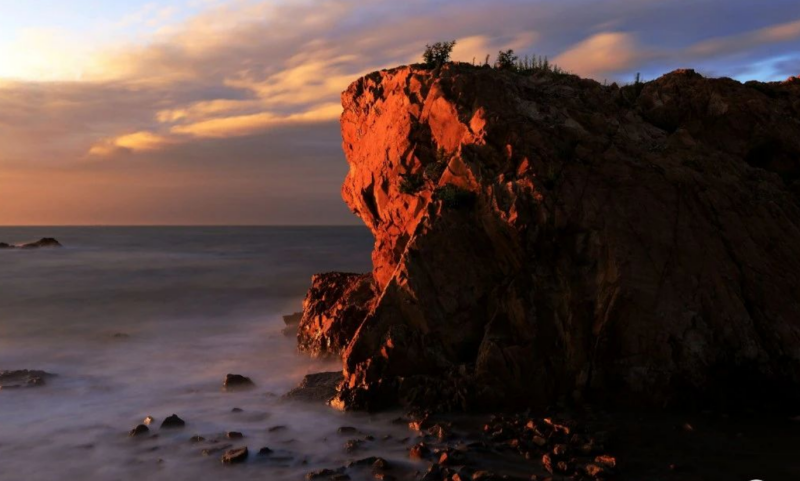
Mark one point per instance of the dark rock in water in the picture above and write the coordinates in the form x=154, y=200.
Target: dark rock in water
x=23, y=378
x=319, y=387
x=419, y=451
x=293, y=319
x=197, y=439
x=234, y=382
x=42, y=243
x=234, y=435
x=324, y=473
x=237, y=410
x=265, y=451
x=234, y=456
x=216, y=449
x=347, y=430
x=45, y=242
x=173, y=422
x=374, y=461
x=353, y=445
x=139, y=430
x=275, y=429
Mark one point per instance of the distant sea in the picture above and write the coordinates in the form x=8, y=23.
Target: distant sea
x=147, y=321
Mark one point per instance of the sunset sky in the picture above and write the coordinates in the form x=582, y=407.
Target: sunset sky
x=225, y=111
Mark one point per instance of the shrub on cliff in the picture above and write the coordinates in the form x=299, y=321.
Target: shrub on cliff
x=438, y=54
x=506, y=60
x=411, y=183
x=454, y=197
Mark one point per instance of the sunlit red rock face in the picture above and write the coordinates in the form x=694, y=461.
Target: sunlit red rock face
x=545, y=237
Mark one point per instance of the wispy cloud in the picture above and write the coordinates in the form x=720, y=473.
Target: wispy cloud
x=244, y=70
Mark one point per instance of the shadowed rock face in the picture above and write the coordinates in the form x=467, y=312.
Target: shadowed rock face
x=545, y=237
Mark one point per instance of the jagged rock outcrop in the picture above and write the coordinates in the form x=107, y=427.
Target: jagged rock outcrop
x=335, y=306
x=545, y=237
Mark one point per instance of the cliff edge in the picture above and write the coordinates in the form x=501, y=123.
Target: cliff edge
x=545, y=237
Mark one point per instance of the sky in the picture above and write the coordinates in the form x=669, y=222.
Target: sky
x=197, y=112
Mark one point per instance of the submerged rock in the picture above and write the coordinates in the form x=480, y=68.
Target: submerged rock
x=234, y=456
x=544, y=236
x=44, y=242
x=139, y=431
x=319, y=387
x=23, y=378
x=172, y=422
x=234, y=382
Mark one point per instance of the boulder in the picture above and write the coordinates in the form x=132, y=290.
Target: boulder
x=541, y=237
x=236, y=382
x=23, y=378
x=172, y=422
x=318, y=387
x=235, y=456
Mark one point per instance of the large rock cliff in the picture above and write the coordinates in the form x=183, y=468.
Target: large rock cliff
x=545, y=237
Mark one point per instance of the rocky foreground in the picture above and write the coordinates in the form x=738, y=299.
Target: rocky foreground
x=545, y=238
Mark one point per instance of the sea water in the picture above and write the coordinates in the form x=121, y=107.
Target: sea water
x=147, y=321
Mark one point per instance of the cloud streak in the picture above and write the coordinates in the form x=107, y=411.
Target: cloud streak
x=243, y=70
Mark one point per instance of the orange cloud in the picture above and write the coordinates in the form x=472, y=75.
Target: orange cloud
x=784, y=32
x=601, y=53
x=136, y=142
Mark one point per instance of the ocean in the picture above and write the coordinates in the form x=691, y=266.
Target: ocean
x=147, y=321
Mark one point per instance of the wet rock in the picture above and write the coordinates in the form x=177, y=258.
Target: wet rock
x=347, y=430
x=235, y=456
x=340, y=477
x=234, y=435
x=237, y=410
x=197, y=439
x=606, y=460
x=45, y=242
x=275, y=429
x=265, y=451
x=352, y=445
x=293, y=319
x=173, y=422
x=235, y=382
x=139, y=430
x=419, y=451
x=324, y=473
x=3, y=245
x=319, y=387
x=216, y=449
x=374, y=461
x=23, y=379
